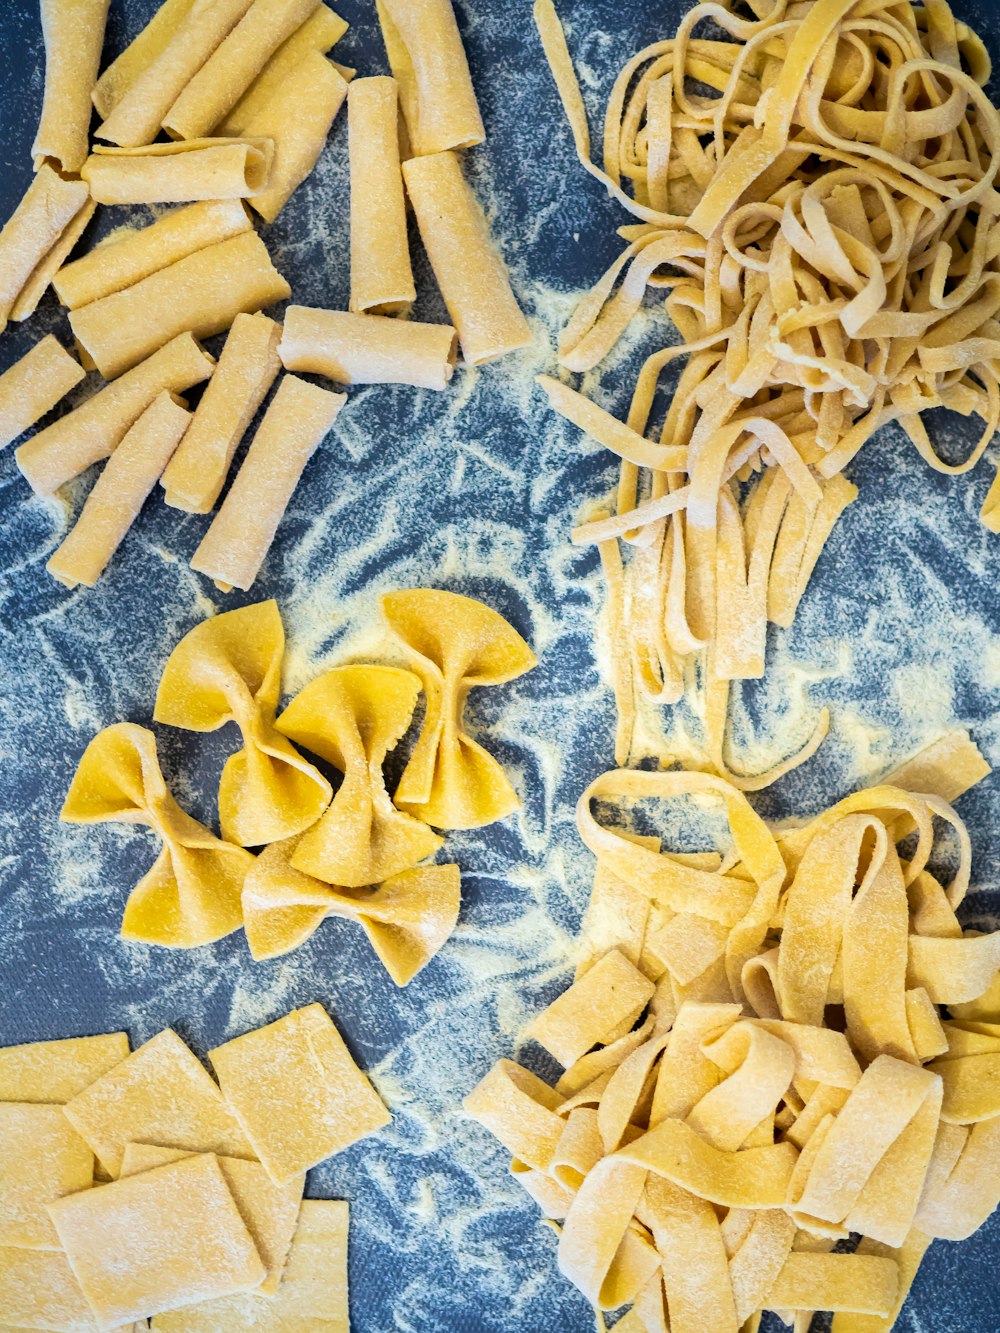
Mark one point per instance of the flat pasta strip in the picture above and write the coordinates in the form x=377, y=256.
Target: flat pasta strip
x=199, y=169
x=32, y=236
x=55, y=1071
x=33, y=385
x=381, y=275
x=74, y=37
x=368, y=349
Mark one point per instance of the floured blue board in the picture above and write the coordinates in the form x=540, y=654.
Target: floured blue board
x=474, y=489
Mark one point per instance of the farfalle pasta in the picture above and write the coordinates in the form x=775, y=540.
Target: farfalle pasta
x=228, y=669
x=352, y=716
x=456, y=644
x=191, y=895
x=407, y=918
x=712, y=1138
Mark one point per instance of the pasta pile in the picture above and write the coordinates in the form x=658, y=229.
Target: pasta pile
x=766, y=1051
x=202, y=1224
x=246, y=96
x=814, y=195
x=322, y=852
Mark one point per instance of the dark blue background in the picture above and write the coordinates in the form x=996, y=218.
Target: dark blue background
x=474, y=489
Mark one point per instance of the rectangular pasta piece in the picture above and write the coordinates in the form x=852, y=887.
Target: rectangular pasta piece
x=131, y=255
x=38, y=1290
x=230, y=70
x=297, y=118
x=428, y=59
x=367, y=349
x=42, y=1159
x=611, y=995
x=151, y=1242
x=33, y=386
x=321, y=30
x=470, y=273
x=35, y=229
x=119, y=493
x=202, y=293
x=175, y=173
x=136, y=117
x=297, y=1092
x=247, y=368
x=123, y=71
x=381, y=275
x=55, y=1071
x=74, y=37
x=94, y=430
x=233, y=549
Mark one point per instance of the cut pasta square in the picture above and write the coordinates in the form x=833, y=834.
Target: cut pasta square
x=41, y=1158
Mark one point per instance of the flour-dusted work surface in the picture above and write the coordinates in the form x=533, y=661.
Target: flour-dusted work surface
x=474, y=490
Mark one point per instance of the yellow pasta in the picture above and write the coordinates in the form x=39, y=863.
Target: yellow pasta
x=428, y=61
x=197, y=169
x=203, y=293
x=191, y=895
x=119, y=493
x=455, y=644
x=74, y=36
x=123, y=71
x=94, y=430
x=33, y=386
x=381, y=276
x=296, y=422
x=228, y=669
x=367, y=349
x=248, y=365
x=33, y=240
x=471, y=274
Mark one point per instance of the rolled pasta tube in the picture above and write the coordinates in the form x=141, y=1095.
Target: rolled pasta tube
x=428, y=59
x=119, y=493
x=233, y=549
x=33, y=386
x=202, y=293
x=34, y=230
x=367, y=349
x=93, y=430
x=174, y=173
x=44, y=272
x=125, y=259
x=123, y=71
x=74, y=37
x=381, y=276
x=320, y=32
x=297, y=119
x=229, y=72
x=472, y=276
x=136, y=117
x=247, y=368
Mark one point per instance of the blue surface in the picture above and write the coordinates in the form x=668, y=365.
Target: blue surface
x=474, y=489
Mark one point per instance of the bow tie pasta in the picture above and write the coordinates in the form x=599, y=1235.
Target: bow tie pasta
x=228, y=669
x=456, y=644
x=191, y=896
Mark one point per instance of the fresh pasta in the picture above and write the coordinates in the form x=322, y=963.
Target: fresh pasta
x=94, y=430
x=173, y=173
x=114, y=503
x=367, y=349
x=74, y=37
x=33, y=386
x=381, y=276
x=299, y=417
x=202, y=293
x=712, y=1138
x=33, y=242
x=248, y=366
x=169, y=19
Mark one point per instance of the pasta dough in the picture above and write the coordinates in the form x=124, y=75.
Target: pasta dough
x=202, y=293
x=43, y=1158
x=456, y=644
x=248, y=366
x=296, y=422
x=74, y=36
x=55, y=1071
x=228, y=669
x=472, y=276
x=31, y=239
x=119, y=76
x=191, y=895
x=198, y=169
x=352, y=717
x=296, y=1092
x=368, y=349
x=119, y=493
x=94, y=430
x=38, y=1290
x=381, y=276
x=33, y=386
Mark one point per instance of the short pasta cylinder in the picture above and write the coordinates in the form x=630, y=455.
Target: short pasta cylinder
x=247, y=368
x=33, y=386
x=367, y=349
x=34, y=238
x=202, y=293
x=94, y=430
x=74, y=36
x=123, y=71
x=233, y=549
x=381, y=276
x=174, y=173
x=472, y=276
x=119, y=493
